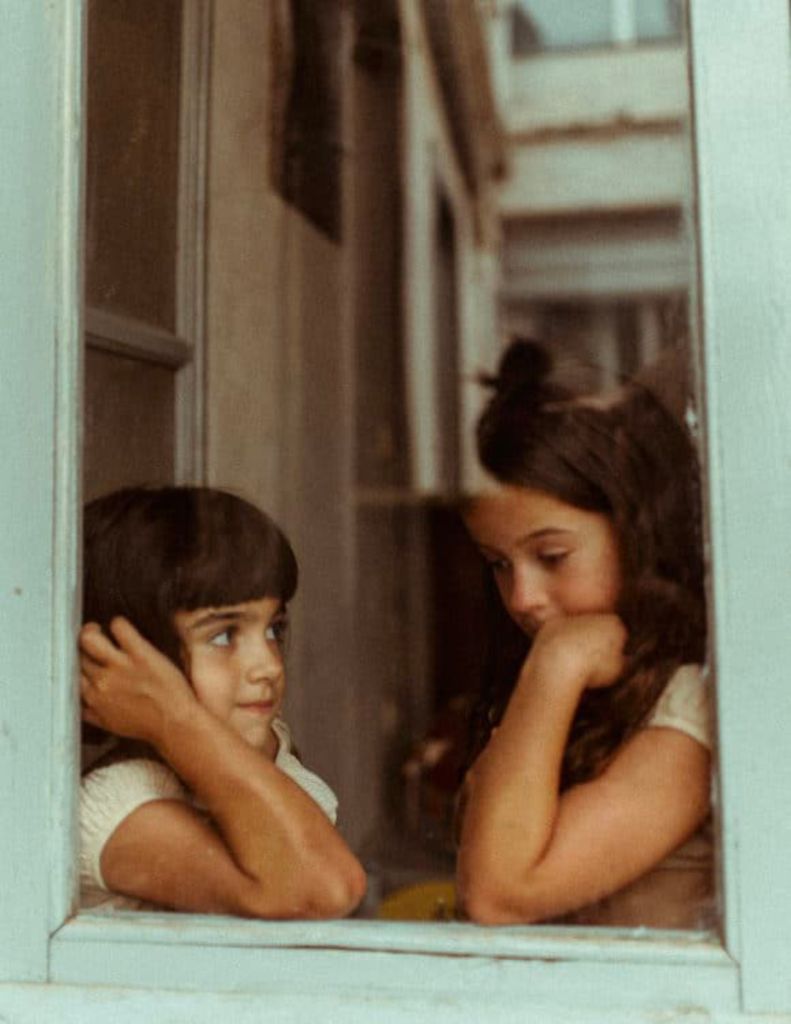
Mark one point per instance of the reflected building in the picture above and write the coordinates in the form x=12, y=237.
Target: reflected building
x=597, y=253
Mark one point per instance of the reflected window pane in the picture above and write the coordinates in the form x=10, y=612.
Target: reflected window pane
x=548, y=25
x=129, y=422
x=134, y=76
x=658, y=19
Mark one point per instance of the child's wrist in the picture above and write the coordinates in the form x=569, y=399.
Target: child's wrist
x=181, y=724
x=556, y=668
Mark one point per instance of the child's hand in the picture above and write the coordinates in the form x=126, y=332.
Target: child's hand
x=587, y=648
x=129, y=687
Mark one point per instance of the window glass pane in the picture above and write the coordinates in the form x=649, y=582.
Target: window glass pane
x=658, y=19
x=548, y=25
x=134, y=71
x=395, y=670
x=129, y=422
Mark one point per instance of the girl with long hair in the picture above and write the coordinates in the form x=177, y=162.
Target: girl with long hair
x=588, y=796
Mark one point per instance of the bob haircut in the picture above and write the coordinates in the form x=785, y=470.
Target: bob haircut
x=149, y=553
x=627, y=458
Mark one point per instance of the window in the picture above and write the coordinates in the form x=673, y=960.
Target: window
x=540, y=25
x=143, y=243
x=204, y=969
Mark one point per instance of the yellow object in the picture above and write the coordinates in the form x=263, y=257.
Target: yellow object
x=426, y=901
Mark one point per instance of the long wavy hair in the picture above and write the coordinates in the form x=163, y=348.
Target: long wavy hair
x=626, y=458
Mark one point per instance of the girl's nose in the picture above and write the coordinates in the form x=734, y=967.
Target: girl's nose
x=265, y=662
x=527, y=596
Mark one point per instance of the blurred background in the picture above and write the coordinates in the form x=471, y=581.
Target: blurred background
x=310, y=225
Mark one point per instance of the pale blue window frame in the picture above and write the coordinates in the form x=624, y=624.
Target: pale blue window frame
x=198, y=969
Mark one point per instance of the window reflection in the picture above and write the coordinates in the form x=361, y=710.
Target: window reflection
x=351, y=304
x=542, y=25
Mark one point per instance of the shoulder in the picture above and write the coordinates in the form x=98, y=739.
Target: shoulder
x=110, y=794
x=685, y=704
x=130, y=779
x=287, y=762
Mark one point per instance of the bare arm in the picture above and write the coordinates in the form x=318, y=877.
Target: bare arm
x=528, y=853
x=273, y=854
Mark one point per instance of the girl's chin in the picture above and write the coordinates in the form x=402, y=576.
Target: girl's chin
x=259, y=735
x=528, y=627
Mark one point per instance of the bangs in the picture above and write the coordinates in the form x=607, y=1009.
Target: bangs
x=232, y=569
x=228, y=552
x=151, y=553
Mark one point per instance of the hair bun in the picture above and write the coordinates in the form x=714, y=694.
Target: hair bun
x=523, y=373
x=524, y=362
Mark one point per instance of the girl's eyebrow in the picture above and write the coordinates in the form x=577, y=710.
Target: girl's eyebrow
x=226, y=615
x=545, y=531
x=214, y=617
x=527, y=538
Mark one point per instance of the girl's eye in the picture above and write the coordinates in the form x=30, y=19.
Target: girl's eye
x=277, y=631
x=552, y=559
x=222, y=639
x=494, y=563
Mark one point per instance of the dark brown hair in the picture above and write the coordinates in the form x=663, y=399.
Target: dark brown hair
x=626, y=458
x=149, y=553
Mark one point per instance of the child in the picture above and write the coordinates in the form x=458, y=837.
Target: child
x=594, y=742
x=203, y=807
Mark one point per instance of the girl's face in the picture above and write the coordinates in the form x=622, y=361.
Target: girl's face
x=233, y=656
x=549, y=558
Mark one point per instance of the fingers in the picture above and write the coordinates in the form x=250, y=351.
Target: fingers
x=86, y=711
x=91, y=717
x=95, y=646
x=132, y=641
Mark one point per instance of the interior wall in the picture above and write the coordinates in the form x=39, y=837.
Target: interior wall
x=245, y=231
x=278, y=417
x=298, y=326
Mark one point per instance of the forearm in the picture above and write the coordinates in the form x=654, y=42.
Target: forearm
x=277, y=835
x=273, y=854
x=513, y=788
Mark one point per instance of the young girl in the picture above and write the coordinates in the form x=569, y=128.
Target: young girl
x=203, y=807
x=593, y=738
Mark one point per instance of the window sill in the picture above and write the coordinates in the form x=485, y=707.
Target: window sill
x=638, y=970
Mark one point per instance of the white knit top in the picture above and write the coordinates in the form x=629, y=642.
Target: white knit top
x=109, y=794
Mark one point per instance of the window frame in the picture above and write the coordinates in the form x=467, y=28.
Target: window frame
x=192, y=968
x=181, y=349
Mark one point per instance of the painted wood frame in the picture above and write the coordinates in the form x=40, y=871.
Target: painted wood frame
x=183, y=968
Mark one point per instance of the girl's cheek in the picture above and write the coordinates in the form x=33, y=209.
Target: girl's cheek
x=186, y=663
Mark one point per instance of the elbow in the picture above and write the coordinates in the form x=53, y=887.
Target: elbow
x=325, y=892
x=484, y=906
x=340, y=893
x=489, y=902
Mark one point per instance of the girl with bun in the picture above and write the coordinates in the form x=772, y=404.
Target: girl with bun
x=589, y=795
x=203, y=806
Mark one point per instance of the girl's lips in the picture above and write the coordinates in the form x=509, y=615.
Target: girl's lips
x=261, y=707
